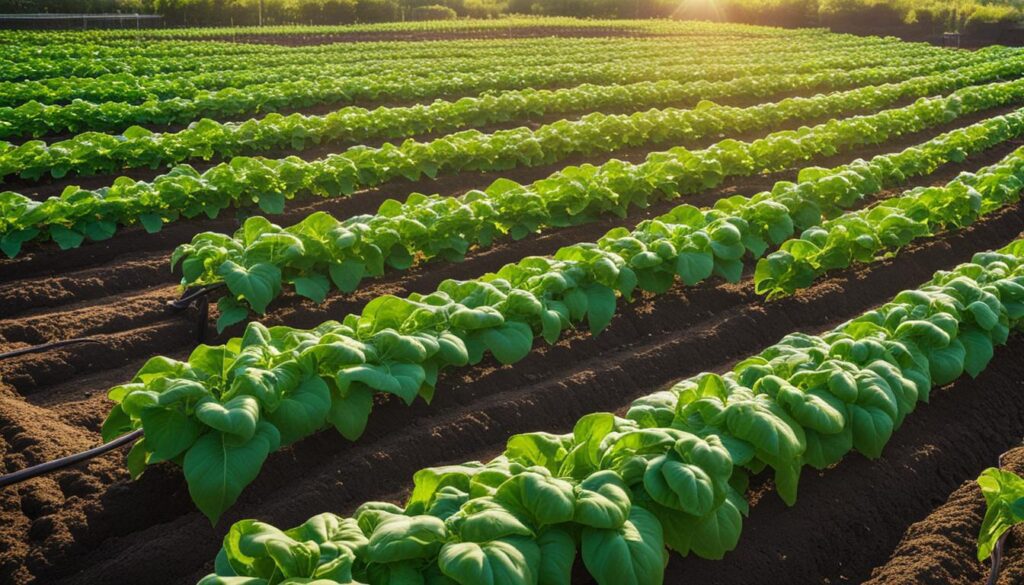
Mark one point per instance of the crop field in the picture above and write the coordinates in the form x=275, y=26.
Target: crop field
x=526, y=301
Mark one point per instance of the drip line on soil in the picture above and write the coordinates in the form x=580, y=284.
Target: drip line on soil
x=191, y=296
x=50, y=466
x=196, y=297
x=47, y=347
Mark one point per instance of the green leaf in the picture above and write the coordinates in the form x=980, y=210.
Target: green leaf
x=98, y=231
x=543, y=500
x=708, y=537
x=313, y=287
x=679, y=485
x=551, y=326
x=872, y=428
x=602, y=501
x=484, y=518
x=979, y=351
x=402, y=380
x=271, y=203
x=169, y=432
x=303, y=409
x=219, y=466
x=730, y=270
x=347, y=275
x=557, y=555
x=694, y=267
x=506, y=561
x=509, y=342
x=1004, y=499
x=399, y=538
x=600, y=307
x=231, y=312
x=66, y=238
x=258, y=284
x=137, y=458
x=543, y=449
x=630, y=555
x=947, y=364
x=237, y=416
x=152, y=222
x=350, y=413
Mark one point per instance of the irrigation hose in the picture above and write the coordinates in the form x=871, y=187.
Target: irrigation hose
x=49, y=466
x=192, y=295
x=46, y=347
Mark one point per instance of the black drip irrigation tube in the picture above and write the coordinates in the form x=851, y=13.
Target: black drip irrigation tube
x=50, y=466
x=196, y=297
x=190, y=298
x=46, y=347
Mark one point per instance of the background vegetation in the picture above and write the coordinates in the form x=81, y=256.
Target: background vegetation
x=924, y=15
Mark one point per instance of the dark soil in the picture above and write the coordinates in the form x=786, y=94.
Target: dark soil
x=941, y=549
x=91, y=524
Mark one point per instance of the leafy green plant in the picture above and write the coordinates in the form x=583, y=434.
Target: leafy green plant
x=79, y=214
x=1004, y=501
x=321, y=251
x=299, y=381
x=864, y=235
x=672, y=473
x=400, y=84
x=92, y=153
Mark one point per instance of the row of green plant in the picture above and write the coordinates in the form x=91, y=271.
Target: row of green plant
x=321, y=250
x=866, y=234
x=672, y=473
x=96, y=153
x=78, y=214
x=81, y=58
x=249, y=69
x=641, y=27
x=294, y=382
x=36, y=119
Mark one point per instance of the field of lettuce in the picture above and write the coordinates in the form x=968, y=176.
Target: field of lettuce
x=529, y=301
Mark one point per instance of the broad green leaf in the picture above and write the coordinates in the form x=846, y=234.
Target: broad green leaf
x=169, y=432
x=346, y=275
x=633, y=554
x=218, y=467
x=1004, y=499
x=602, y=501
x=544, y=500
x=402, y=380
x=151, y=222
x=979, y=351
x=350, y=413
x=66, y=238
x=312, y=287
x=679, y=485
x=258, y=284
x=231, y=312
x=237, y=416
x=508, y=561
x=303, y=409
x=509, y=342
x=557, y=555
x=399, y=538
x=600, y=307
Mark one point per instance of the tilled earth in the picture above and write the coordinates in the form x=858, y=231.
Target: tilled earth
x=92, y=524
